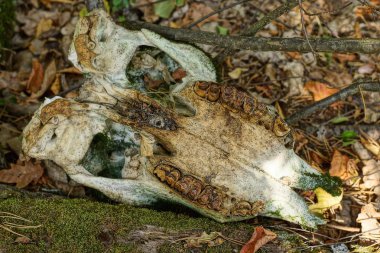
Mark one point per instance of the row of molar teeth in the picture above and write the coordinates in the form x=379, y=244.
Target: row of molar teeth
x=207, y=195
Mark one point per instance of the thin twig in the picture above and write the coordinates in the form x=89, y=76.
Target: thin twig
x=75, y=87
x=215, y=12
x=273, y=15
x=341, y=95
x=304, y=28
x=344, y=228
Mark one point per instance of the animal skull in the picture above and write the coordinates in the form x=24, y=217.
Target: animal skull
x=231, y=159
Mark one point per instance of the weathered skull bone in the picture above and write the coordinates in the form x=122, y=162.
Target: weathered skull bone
x=231, y=160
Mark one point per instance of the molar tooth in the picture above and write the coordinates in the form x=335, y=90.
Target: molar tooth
x=238, y=100
x=184, y=184
x=173, y=177
x=200, y=88
x=213, y=93
x=216, y=201
x=167, y=173
x=242, y=208
x=196, y=189
x=205, y=196
x=257, y=207
x=161, y=172
x=228, y=95
x=211, y=197
x=249, y=105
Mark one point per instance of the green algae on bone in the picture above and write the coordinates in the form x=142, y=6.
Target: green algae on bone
x=106, y=155
x=329, y=183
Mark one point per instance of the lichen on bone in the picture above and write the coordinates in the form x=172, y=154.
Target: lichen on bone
x=228, y=157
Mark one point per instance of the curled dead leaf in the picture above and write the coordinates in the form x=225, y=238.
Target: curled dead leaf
x=36, y=77
x=22, y=174
x=325, y=201
x=48, y=79
x=260, y=237
x=343, y=167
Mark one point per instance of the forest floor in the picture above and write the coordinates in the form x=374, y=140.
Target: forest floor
x=343, y=139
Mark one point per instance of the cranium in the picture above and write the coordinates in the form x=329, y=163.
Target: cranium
x=231, y=159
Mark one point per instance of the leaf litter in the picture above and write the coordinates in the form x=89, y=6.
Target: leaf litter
x=290, y=81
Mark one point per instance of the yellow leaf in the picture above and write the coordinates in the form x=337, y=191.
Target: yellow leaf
x=325, y=201
x=235, y=74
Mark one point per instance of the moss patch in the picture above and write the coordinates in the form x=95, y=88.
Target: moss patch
x=78, y=225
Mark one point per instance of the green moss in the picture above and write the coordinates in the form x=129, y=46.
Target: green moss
x=76, y=225
x=7, y=16
x=330, y=184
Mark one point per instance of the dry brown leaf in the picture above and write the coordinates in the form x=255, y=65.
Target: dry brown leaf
x=294, y=55
x=368, y=220
x=49, y=77
x=148, y=10
x=319, y=90
x=43, y=26
x=197, y=11
x=56, y=86
x=343, y=58
x=366, y=13
x=22, y=174
x=259, y=238
x=36, y=77
x=342, y=166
